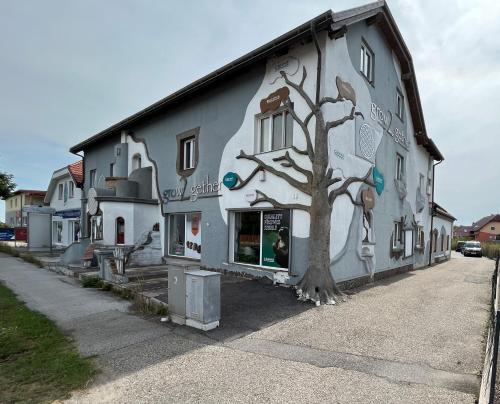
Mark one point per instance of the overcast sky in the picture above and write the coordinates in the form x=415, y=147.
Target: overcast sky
x=69, y=69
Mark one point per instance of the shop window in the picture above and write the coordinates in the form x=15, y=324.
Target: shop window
x=120, y=230
x=399, y=104
x=60, y=192
x=400, y=163
x=366, y=62
x=275, y=131
x=96, y=226
x=71, y=189
x=397, y=235
x=262, y=238
x=187, y=152
x=92, y=178
x=185, y=235
x=136, y=161
x=57, y=229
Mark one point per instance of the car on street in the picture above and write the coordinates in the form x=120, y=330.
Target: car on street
x=460, y=246
x=472, y=248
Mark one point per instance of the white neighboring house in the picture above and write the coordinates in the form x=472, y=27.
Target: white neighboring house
x=64, y=196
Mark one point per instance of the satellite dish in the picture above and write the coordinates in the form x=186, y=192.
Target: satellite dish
x=92, y=203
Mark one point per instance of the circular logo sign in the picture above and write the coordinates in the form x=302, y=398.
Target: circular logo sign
x=230, y=180
x=378, y=179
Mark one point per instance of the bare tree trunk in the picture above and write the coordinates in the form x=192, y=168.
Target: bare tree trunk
x=318, y=284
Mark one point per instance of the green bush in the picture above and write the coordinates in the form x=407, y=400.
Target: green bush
x=91, y=282
x=491, y=250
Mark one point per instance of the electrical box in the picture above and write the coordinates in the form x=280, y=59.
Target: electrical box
x=177, y=292
x=203, y=299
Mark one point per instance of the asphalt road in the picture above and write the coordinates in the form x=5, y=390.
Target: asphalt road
x=416, y=338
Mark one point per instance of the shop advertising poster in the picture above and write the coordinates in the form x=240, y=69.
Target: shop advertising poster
x=276, y=238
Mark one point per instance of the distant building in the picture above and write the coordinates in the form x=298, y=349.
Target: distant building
x=442, y=225
x=64, y=195
x=462, y=231
x=487, y=228
x=15, y=206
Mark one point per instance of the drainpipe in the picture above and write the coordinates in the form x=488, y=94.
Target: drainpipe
x=83, y=219
x=432, y=209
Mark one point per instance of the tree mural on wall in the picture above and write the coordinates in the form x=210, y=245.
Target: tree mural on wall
x=320, y=183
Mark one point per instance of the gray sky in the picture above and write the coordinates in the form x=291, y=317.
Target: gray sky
x=69, y=69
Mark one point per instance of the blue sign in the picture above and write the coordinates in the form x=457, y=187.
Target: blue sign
x=230, y=180
x=6, y=234
x=378, y=179
x=68, y=214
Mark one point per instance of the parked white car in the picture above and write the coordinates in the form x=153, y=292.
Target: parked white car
x=472, y=248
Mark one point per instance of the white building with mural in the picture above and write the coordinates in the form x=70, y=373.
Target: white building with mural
x=226, y=171
x=64, y=197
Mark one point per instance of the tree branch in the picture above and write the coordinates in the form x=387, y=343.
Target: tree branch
x=333, y=124
x=287, y=161
x=264, y=198
x=331, y=100
x=242, y=183
x=301, y=186
x=343, y=189
x=296, y=150
x=305, y=129
x=300, y=88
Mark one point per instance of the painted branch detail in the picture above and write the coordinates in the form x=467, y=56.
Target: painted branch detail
x=320, y=185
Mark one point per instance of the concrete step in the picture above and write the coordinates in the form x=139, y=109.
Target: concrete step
x=148, y=285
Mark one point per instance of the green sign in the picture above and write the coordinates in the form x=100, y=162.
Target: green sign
x=230, y=179
x=378, y=179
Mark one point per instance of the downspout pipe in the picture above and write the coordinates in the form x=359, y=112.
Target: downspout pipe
x=83, y=219
x=432, y=210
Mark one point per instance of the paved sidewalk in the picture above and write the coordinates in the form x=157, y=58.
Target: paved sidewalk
x=413, y=338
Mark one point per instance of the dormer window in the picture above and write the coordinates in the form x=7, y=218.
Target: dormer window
x=60, y=189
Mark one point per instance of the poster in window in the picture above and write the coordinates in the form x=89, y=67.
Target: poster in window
x=276, y=238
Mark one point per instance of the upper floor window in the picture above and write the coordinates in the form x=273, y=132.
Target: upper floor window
x=92, y=178
x=397, y=235
x=187, y=152
x=492, y=227
x=71, y=189
x=136, y=161
x=366, y=62
x=60, y=192
x=275, y=131
x=399, y=104
x=112, y=170
x=400, y=163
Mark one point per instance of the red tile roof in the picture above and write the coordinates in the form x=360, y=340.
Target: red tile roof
x=29, y=191
x=76, y=171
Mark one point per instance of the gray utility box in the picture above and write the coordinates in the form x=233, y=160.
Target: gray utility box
x=177, y=291
x=202, y=299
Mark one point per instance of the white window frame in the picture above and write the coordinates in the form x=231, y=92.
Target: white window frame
x=92, y=177
x=71, y=191
x=283, y=112
x=400, y=171
x=400, y=104
x=367, y=62
x=94, y=226
x=191, y=143
x=420, y=239
x=60, y=192
x=397, y=235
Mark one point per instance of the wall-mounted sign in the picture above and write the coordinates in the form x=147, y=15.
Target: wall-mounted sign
x=368, y=199
x=288, y=64
x=367, y=142
x=274, y=100
x=378, y=179
x=206, y=188
x=250, y=195
x=230, y=179
x=339, y=154
x=345, y=90
x=385, y=120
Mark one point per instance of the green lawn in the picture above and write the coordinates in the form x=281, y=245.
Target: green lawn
x=37, y=362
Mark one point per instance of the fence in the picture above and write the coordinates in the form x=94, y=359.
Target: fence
x=487, y=392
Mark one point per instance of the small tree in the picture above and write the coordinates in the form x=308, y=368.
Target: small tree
x=7, y=185
x=317, y=284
